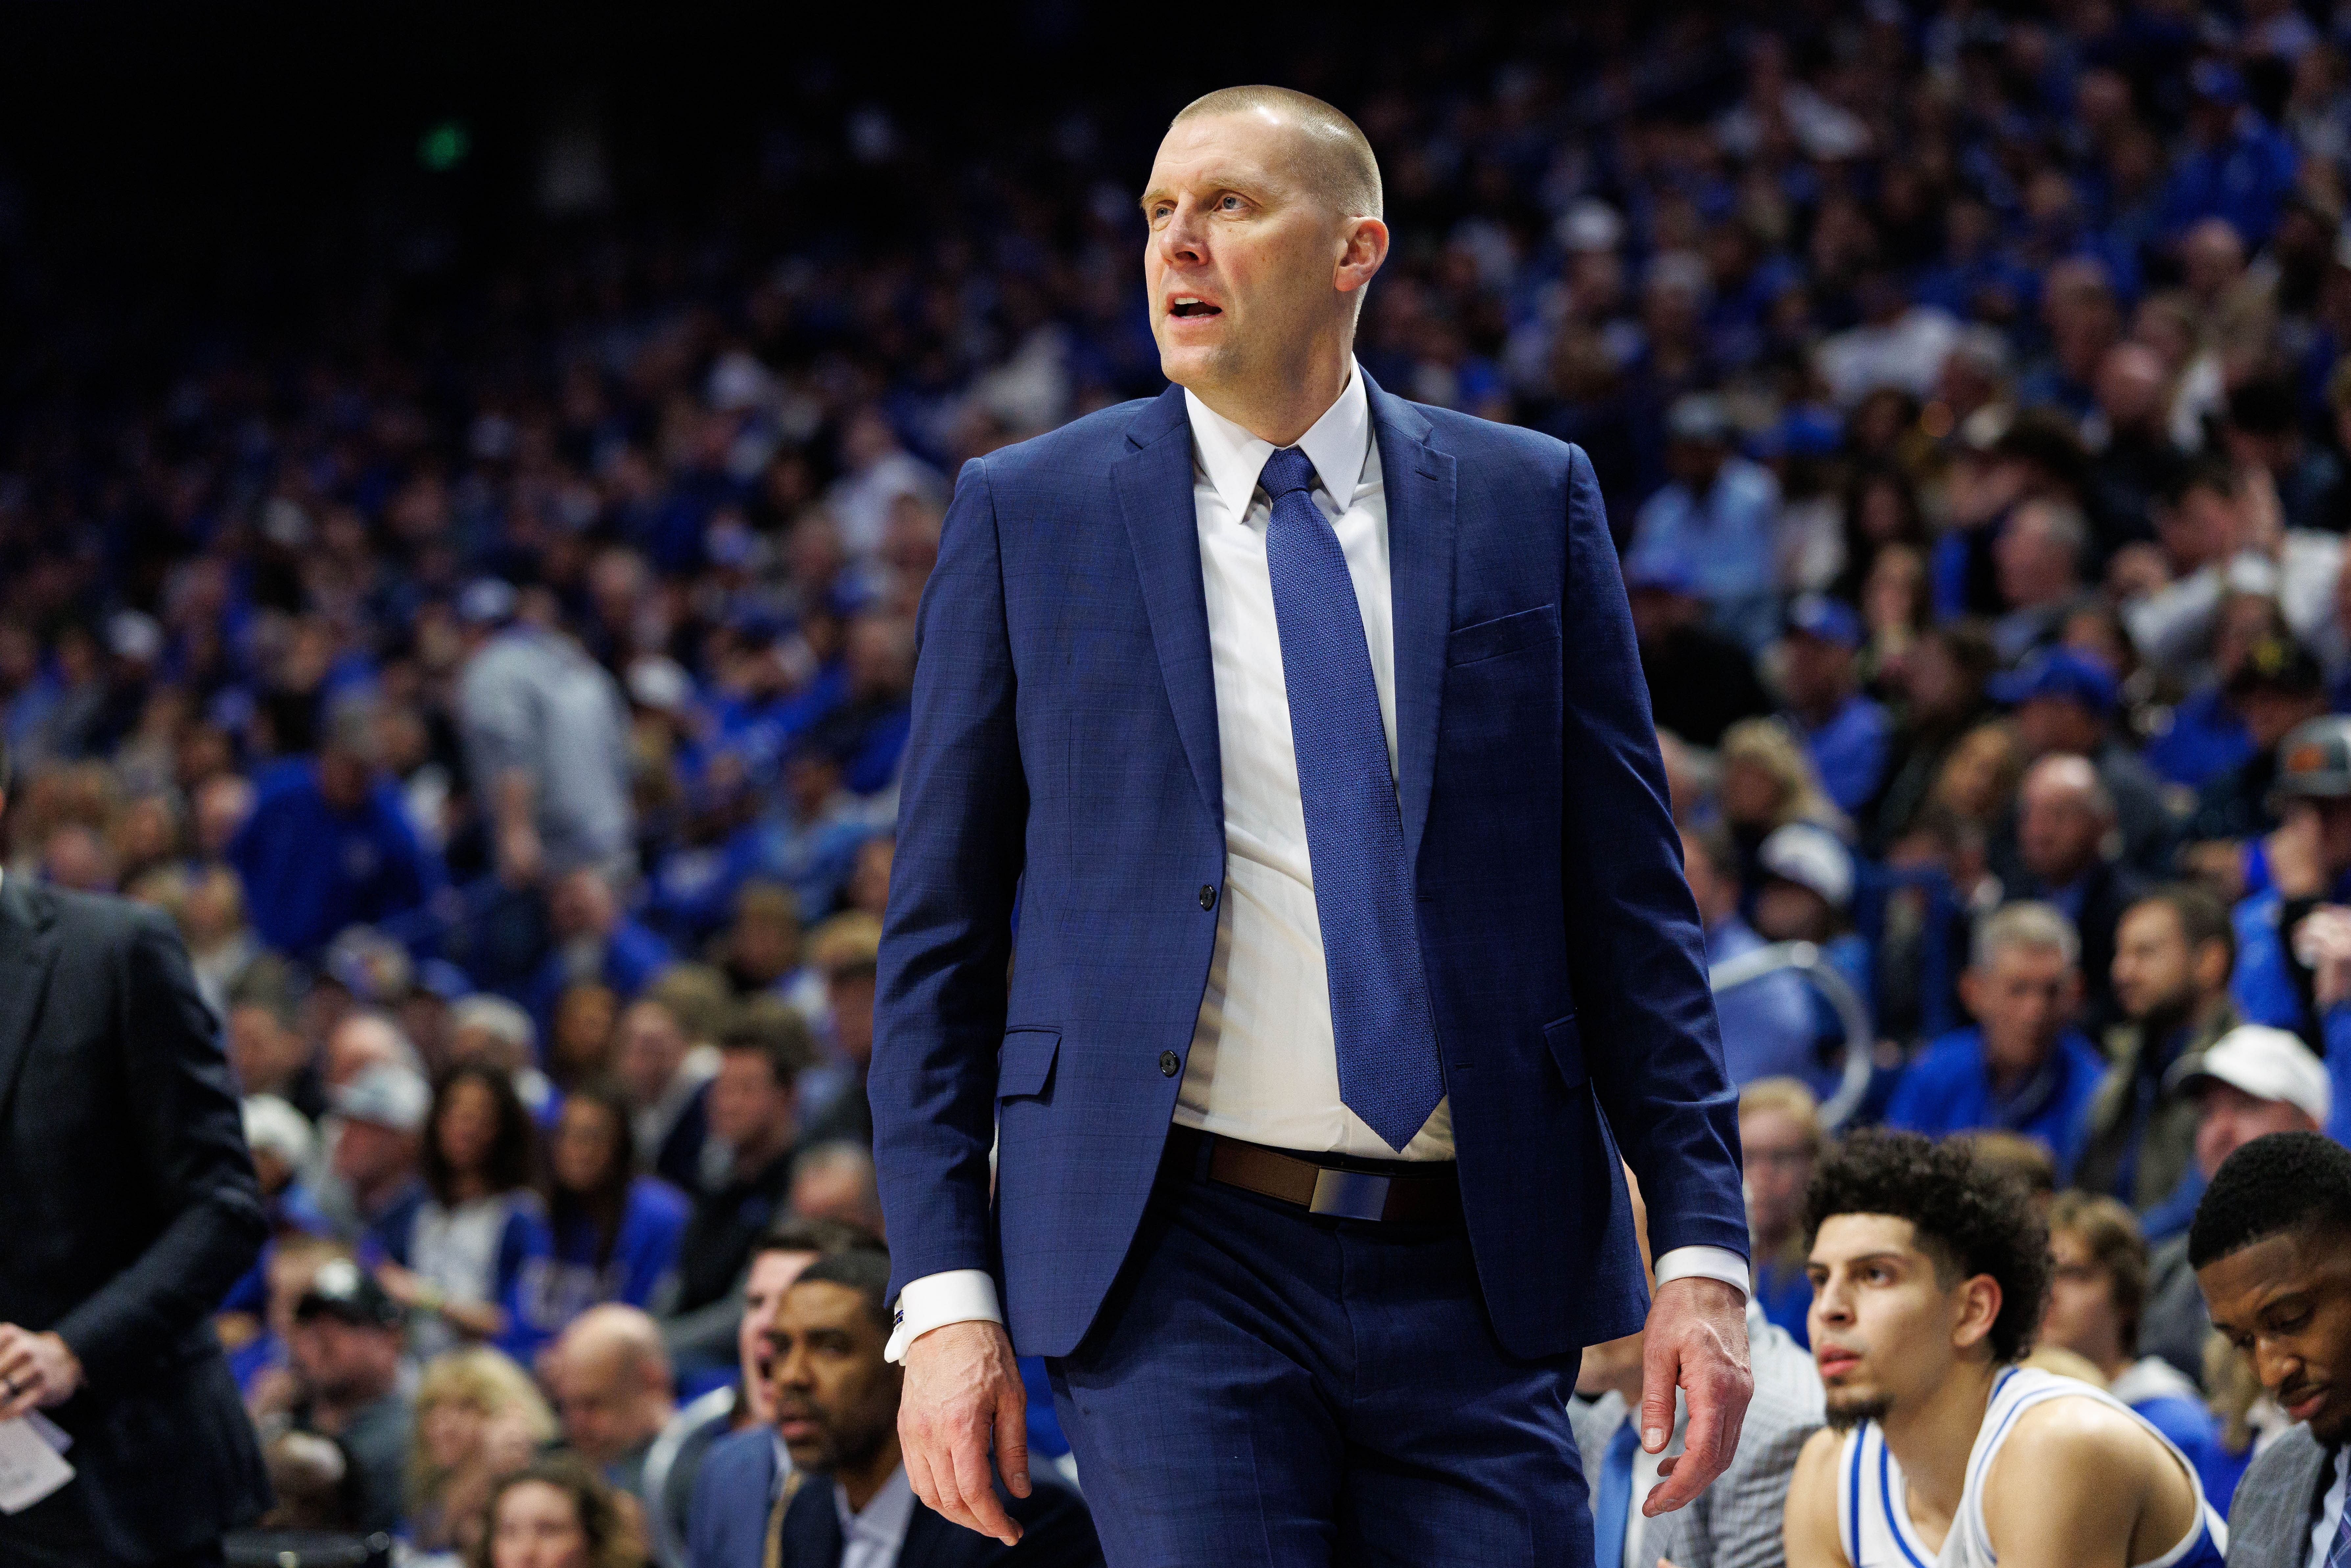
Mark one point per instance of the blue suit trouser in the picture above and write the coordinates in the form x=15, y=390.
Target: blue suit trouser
x=1268, y=1388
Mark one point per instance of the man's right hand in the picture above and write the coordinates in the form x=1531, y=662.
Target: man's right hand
x=962, y=1386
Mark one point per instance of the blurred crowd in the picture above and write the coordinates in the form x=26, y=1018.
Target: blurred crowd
x=507, y=699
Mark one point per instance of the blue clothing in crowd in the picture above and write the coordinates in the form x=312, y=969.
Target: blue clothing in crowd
x=633, y=956
x=1849, y=752
x=1785, y=1293
x=643, y=1260
x=1724, y=540
x=1948, y=1090
x=309, y=869
x=503, y=1274
x=1768, y=1028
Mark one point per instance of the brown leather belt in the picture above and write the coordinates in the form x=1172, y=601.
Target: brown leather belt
x=1400, y=1191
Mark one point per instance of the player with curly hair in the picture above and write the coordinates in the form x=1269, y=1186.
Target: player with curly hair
x=1929, y=1273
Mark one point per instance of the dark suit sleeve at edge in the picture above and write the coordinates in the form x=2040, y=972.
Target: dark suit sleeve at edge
x=183, y=1107
x=1634, y=953
x=962, y=821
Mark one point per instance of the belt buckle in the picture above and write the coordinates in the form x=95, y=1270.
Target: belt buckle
x=1350, y=1195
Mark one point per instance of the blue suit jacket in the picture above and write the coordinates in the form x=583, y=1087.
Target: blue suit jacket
x=726, y=1525
x=1064, y=757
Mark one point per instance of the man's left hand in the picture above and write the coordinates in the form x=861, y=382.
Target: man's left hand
x=1696, y=1338
x=36, y=1371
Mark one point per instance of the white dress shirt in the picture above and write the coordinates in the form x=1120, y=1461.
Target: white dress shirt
x=1263, y=1066
x=2330, y=1511
x=872, y=1539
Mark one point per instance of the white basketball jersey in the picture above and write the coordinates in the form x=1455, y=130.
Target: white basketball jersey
x=1873, y=1503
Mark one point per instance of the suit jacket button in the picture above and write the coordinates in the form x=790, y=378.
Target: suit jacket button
x=1208, y=896
x=1168, y=1063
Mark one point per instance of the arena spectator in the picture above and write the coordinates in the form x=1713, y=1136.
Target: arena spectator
x=479, y=1418
x=752, y=1111
x=2253, y=1081
x=328, y=845
x=615, y=1233
x=2276, y=687
x=1805, y=894
x=461, y=1264
x=665, y=1077
x=835, y=1181
x=497, y=1033
x=2173, y=953
x=2308, y=862
x=593, y=938
x=2022, y=1067
x=2271, y=1229
x=846, y=952
x=2098, y=1289
x=1780, y=1139
x=1700, y=681
x=1766, y=1020
x=1844, y=731
x=2064, y=703
x=376, y=1139
x=2066, y=840
x=546, y=737
x=557, y=1513
x=345, y=1350
x=614, y=1391
x=2040, y=555
x=1721, y=515
x=266, y=1045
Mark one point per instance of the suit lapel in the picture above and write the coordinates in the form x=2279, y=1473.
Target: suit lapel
x=27, y=953
x=812, y=1537
x=1153, y=481
x=928, y=1538
x=1420, y=493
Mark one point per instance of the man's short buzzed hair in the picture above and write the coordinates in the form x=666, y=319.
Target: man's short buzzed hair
x=1339, y=164
x=2278, y=1183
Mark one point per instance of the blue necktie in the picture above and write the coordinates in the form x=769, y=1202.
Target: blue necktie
x=1612, y=1505
x=1380, y=1017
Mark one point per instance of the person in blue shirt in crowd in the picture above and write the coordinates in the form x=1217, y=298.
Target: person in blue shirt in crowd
x=2022, y=1067
x=1779, y=1141
x=2097, y=1290
x=809, y=841
x=2065, y=701
x=1766, y=1018
x=1848, y=733
x=594, y=939
x=1719, y=515
x=2308, y=861
x=616, y=1233
x=722, y=844
x=463, y=1264
x=2240, y=168
x=1805, y=894
x=328, y=844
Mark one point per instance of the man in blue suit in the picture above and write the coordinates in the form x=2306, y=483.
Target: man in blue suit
x=1302, y=731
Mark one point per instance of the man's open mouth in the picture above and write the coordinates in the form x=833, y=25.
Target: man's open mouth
x=1189, y=305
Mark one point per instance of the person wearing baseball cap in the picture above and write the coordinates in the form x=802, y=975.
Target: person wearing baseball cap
x=344, y=1349
x=1718, y=513
x=2276, y=689
x=376, y=1146
x=2065, y=700
x=1806, y=896
x=2299, y=868
x=2253, y=1081
x=1847, y=732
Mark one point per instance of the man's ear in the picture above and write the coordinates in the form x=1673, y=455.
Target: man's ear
x=1978, y=1310
x=1364, y=248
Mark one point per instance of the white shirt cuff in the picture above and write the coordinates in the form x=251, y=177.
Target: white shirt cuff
x=968, y=1295
x=1685, y=1263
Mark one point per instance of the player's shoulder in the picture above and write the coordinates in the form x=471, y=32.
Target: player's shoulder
x=2081, y=1436
x=1809, y=1529
x=1816, y=1463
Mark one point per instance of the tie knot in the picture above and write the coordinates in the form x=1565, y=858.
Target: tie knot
x=1287, y=470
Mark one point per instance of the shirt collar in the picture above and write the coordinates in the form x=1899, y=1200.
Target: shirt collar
x=886, y=1514
x=1338, y=446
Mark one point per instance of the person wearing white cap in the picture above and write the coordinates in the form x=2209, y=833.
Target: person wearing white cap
x=375, y=1136
x=2255, y=1080
x=1806, y=896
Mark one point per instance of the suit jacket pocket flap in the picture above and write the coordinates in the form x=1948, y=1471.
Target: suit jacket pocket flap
x=1503, y=634
x=1566, y=1042
x=1025, y=1064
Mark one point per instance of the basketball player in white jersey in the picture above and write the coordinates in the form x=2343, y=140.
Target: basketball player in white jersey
x=1929, y=1273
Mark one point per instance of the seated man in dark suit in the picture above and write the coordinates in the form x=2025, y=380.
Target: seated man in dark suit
x=845, y=1485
